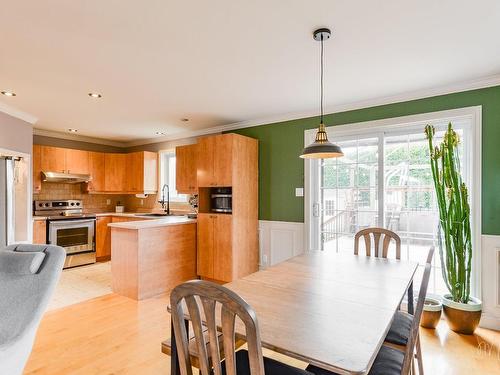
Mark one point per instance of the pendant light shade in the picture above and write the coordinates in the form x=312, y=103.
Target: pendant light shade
x=321, y=148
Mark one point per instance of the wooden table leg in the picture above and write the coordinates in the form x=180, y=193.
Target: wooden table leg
x=174, y=359
x=410, y=299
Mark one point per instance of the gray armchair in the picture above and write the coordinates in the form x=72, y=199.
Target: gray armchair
x=28, y=277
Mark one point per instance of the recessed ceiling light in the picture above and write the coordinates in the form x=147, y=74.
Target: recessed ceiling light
x=95, y=95
x=8, y=93
x=184, y=119
x=73, y=130
x=160, y=133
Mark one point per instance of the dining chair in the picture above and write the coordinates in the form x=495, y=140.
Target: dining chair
x=399, y=332
x=204, y=301
x=378, y=234
x=391, y=361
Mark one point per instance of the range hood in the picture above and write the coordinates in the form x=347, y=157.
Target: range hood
x=65, y=178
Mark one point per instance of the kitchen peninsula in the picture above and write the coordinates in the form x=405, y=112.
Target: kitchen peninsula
x=150, y=257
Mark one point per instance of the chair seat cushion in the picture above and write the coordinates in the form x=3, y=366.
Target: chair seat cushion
x=389, y=361
x=400, y=329
x=271, y=366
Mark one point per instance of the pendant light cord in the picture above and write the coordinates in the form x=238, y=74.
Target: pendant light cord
x=321, y=79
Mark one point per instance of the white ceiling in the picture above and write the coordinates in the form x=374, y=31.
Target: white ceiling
x=226, y=61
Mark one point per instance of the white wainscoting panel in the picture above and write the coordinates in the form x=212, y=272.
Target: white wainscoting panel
x=279, y=241
x=490, y=281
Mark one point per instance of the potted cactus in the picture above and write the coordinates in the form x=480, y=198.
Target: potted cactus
x=462, y=311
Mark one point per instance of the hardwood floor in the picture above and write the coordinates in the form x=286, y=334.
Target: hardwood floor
x=116, y=335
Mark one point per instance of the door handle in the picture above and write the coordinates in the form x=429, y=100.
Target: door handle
x=315, y=209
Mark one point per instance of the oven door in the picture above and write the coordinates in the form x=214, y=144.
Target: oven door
x=76, y=236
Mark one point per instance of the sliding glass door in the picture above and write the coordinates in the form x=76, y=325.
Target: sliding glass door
x=383, y=180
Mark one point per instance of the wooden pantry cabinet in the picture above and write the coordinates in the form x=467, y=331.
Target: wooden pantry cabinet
x=185, y=169
x=214, y=166
x=228, y=243
x=215, y=251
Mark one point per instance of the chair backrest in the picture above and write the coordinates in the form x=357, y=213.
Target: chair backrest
x=378, y=234
x=209, y=296
x=412, y=339
x=430, y=255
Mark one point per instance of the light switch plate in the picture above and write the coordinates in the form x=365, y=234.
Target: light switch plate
x=299, y=192
x=108, y=202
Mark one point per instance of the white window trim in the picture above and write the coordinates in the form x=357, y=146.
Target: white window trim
x=160, y=178
x=410, y=122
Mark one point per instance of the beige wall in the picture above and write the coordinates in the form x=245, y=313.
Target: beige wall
x=15, y=134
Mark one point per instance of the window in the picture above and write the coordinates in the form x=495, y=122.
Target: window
x=384, y=179
x=167, y=176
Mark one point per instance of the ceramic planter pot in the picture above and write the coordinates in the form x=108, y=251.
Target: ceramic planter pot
x=432, y=313
x=462, y=317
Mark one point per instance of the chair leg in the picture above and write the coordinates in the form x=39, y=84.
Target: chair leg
x=419, y=357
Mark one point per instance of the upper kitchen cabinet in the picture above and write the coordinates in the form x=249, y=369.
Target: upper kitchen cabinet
x=115, y=172
x=143, y=170
x=53, y=159
x=63, y=160
x=97, y=171
x=185, y=170
x=215, y=160
x=77, y=161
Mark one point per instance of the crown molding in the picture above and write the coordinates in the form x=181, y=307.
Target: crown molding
x=14, y=112
x=469, y=85
x=475, y=84
x=79, y=138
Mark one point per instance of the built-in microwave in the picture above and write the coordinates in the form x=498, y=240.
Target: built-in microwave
x=221, y=199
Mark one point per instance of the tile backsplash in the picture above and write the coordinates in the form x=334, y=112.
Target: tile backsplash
x=91, y=202
x=98, y=202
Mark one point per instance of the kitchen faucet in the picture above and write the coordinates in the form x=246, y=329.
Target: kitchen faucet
x=163, y=199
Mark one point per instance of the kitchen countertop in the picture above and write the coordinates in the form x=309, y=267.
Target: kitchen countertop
x=153, y=223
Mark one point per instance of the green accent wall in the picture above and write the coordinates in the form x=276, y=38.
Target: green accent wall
x=281, y=170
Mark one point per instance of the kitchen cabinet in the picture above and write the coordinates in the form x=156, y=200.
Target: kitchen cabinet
x=214, y=166
x=103, y=239
x=53, y=159
x=39, y=232
x=103, y=235
x=142, y=172
x=228, y=243
x=115, y=172
x=37, y=168
x=185, y=169
x=77, y=161
x=65, y=160
x=112, y=173
x=215, y=255
x=97, y=171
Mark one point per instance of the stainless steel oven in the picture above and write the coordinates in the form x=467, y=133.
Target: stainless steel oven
x=70, y=228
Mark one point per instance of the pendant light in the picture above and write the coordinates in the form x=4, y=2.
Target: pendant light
x=321, y=148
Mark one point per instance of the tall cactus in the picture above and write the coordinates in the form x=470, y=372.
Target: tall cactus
x=455, y=244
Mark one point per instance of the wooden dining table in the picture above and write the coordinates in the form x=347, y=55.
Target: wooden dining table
x=332, y=310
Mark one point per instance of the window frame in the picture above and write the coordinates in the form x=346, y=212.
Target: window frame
x=174, y=195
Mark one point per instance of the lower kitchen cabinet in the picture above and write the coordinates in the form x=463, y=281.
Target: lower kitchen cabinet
x=103, y=239
x=215, y=247
x=39, y=232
